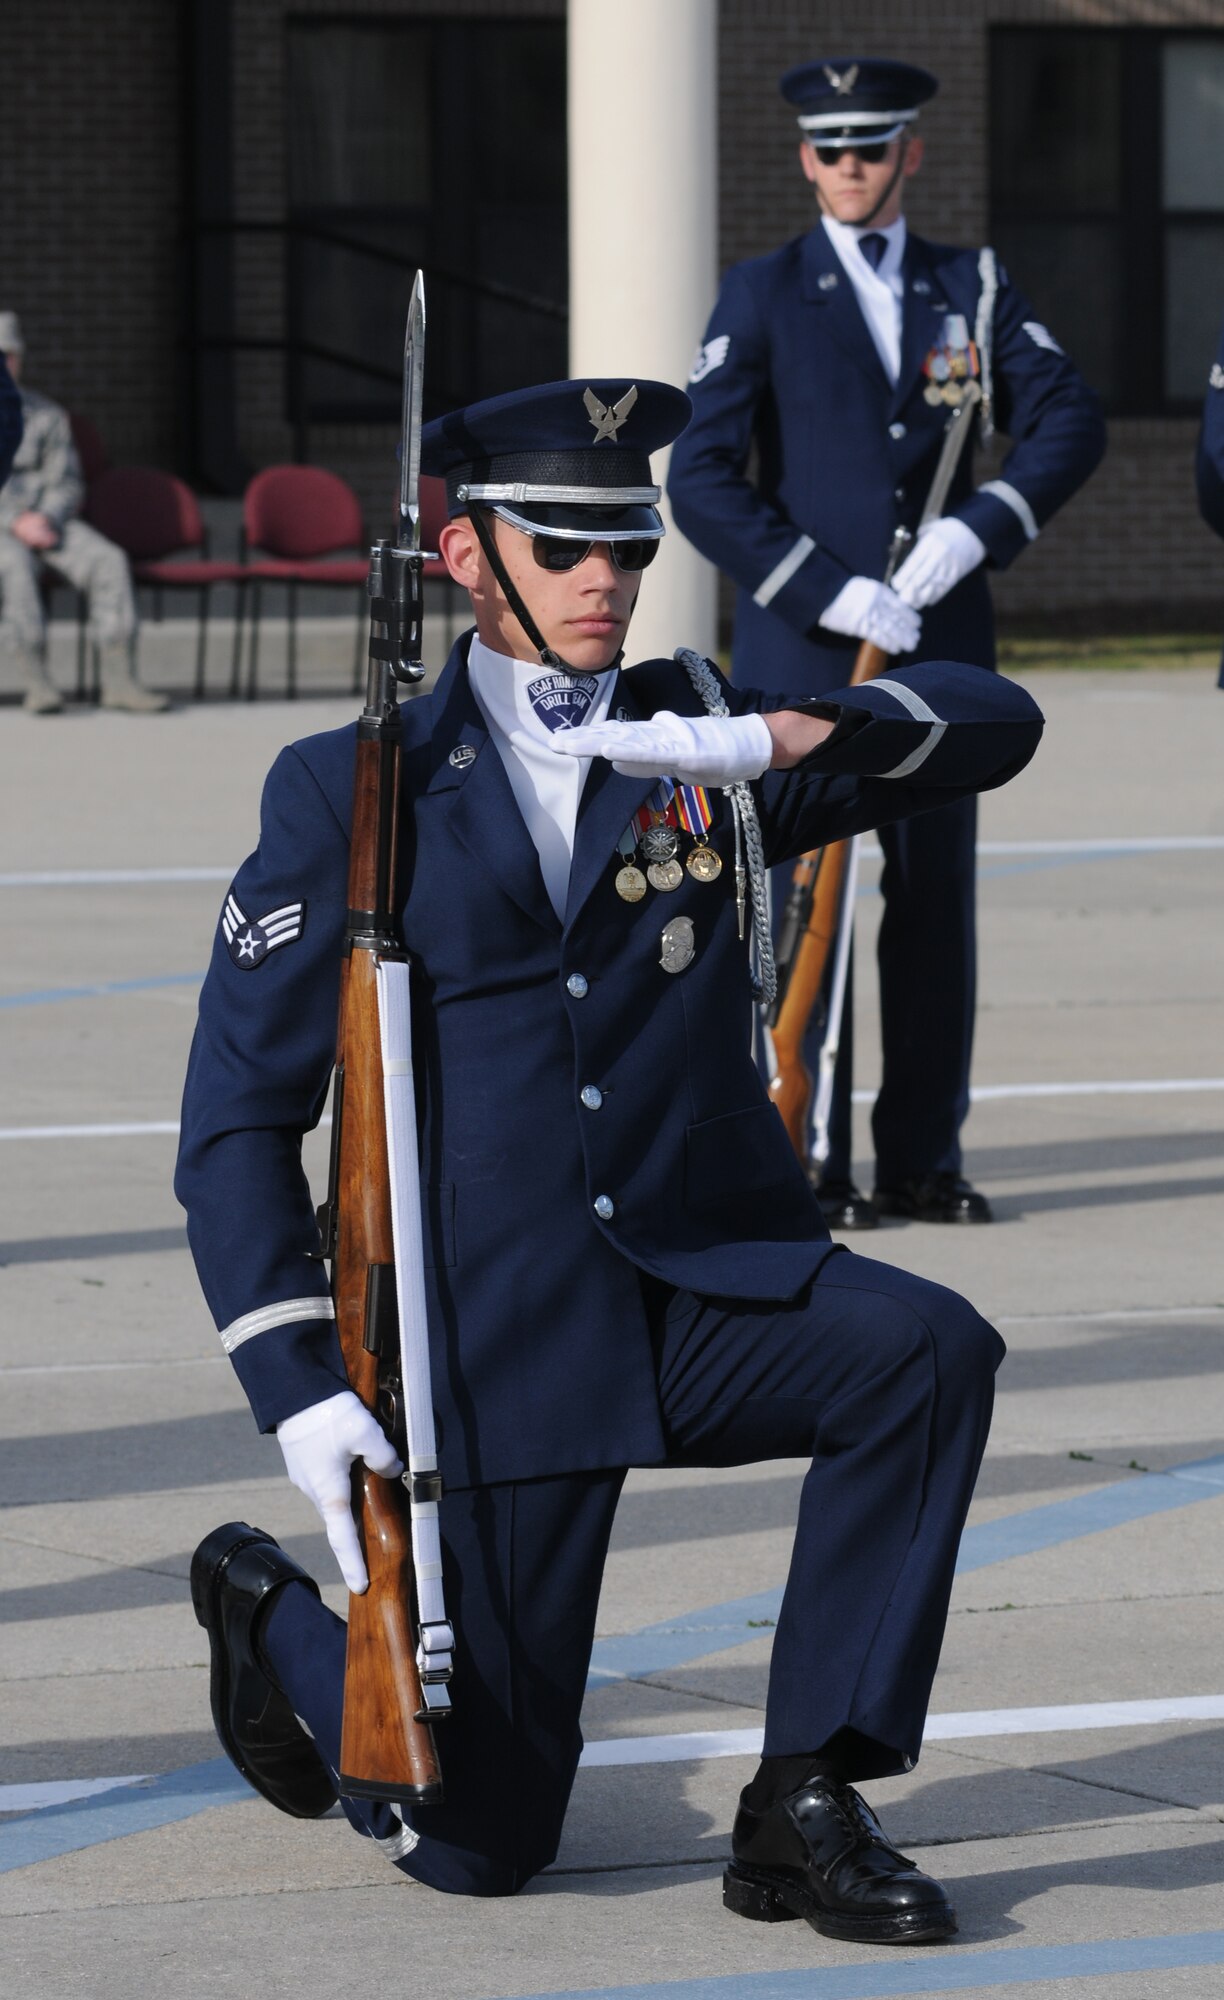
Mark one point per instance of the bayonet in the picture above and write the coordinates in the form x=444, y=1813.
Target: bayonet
x=394, y=582
x=410, y=424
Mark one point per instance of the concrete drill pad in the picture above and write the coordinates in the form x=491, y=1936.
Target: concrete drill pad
x=1091, y=970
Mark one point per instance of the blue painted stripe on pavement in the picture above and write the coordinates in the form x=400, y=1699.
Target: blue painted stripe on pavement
x=111, y=1815
x=1089, y=1513
x=941, y=1969
x=676, y=1642
x=101, y=989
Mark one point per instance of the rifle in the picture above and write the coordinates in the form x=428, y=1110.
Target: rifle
x=820, y=906
x=399, y=1644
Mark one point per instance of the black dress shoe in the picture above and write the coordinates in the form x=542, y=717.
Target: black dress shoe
x=234, y=1573
x=933, y=1198
x=821, y=1854
x=842, y=1205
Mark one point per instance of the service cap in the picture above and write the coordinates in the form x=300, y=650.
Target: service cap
x=856, y=100
x=563, y=458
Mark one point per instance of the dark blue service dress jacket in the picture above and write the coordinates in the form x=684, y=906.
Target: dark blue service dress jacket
x=788, y=377
x=541, y=1351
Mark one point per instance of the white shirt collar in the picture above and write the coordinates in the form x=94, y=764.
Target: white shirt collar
x=846, y=237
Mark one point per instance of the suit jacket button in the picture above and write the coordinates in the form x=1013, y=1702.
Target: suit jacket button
x=896, y=431
x=591, y=1095
x=576, y=986
x=605, y=1207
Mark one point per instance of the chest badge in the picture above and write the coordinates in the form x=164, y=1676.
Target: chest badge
x=678, y=946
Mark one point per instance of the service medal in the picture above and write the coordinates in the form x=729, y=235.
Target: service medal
x=953, y=395
x=678, y=946
x=665, y=875
x=932, y=394
x=659, y=843
x=630, y=884
x=703, y=864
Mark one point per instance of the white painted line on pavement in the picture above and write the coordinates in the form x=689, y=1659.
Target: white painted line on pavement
x=71, y=878
x=1177, y=843
x=700, y=1745
x=1145, y=1087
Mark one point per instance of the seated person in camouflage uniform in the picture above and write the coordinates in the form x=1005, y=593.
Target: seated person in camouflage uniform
x=39, y=506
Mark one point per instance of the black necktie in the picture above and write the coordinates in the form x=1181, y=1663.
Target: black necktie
x=873, y=247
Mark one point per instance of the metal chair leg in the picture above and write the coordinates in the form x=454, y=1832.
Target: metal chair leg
x=201, y=643
x=235, y=686
x=253, y=643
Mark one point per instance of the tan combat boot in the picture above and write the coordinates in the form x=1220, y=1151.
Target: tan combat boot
x=42, y=697
x=119, y=685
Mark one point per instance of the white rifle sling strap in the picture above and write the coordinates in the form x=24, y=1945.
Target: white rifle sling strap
x=435, y=1653
x=837, y=1003
x=983, y=333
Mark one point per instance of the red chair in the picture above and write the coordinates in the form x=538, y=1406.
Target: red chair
x=298, y=515
x=153, y=517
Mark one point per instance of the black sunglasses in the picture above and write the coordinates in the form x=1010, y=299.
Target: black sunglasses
x=555, y=552
x=872, y=154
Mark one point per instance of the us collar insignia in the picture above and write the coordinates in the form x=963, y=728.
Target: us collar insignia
x=249, y=943
x=608, y=419
x=827, y=281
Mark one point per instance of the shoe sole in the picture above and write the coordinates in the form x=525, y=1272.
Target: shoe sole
x=905, y=1213
x=207, y=1568
x=764, y=1901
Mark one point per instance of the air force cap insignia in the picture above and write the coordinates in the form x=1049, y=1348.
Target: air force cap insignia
x=249, y=943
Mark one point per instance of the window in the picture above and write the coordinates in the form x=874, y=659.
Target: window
x=1107, y=200
x=433, y=143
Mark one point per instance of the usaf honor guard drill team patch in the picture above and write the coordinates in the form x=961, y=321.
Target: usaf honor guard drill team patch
x=249, y=943
x=562, y=700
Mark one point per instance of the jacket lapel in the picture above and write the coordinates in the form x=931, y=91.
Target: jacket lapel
x=605, y=809
x=469, y=780
x=924, y=305
x=826, y=287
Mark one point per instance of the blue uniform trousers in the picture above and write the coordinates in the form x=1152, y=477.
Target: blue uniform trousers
x=883, y=1379
x=927, y=956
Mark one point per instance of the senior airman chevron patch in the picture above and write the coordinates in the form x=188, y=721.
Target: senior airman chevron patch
x=249, y=943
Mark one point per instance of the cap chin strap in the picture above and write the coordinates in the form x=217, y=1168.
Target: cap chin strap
x=547, y=657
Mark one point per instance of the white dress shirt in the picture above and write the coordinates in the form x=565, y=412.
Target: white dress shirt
x=515, y=698
x=880, y=293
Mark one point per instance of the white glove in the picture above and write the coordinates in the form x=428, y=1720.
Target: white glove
x=945, y=552
x=694, y=749
x=865, y=609
x=320, y=1445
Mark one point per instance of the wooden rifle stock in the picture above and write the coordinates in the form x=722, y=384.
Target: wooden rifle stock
x=812, y=909
x=387, y=1748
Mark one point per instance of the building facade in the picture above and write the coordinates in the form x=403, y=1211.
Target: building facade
x=211, y=213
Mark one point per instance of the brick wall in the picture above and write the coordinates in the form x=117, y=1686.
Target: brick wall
x=363, y=454
x=91, y=178
x=1130, y=548
x=89, y=192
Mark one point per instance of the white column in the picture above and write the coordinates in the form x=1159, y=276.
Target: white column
x=643, y=240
